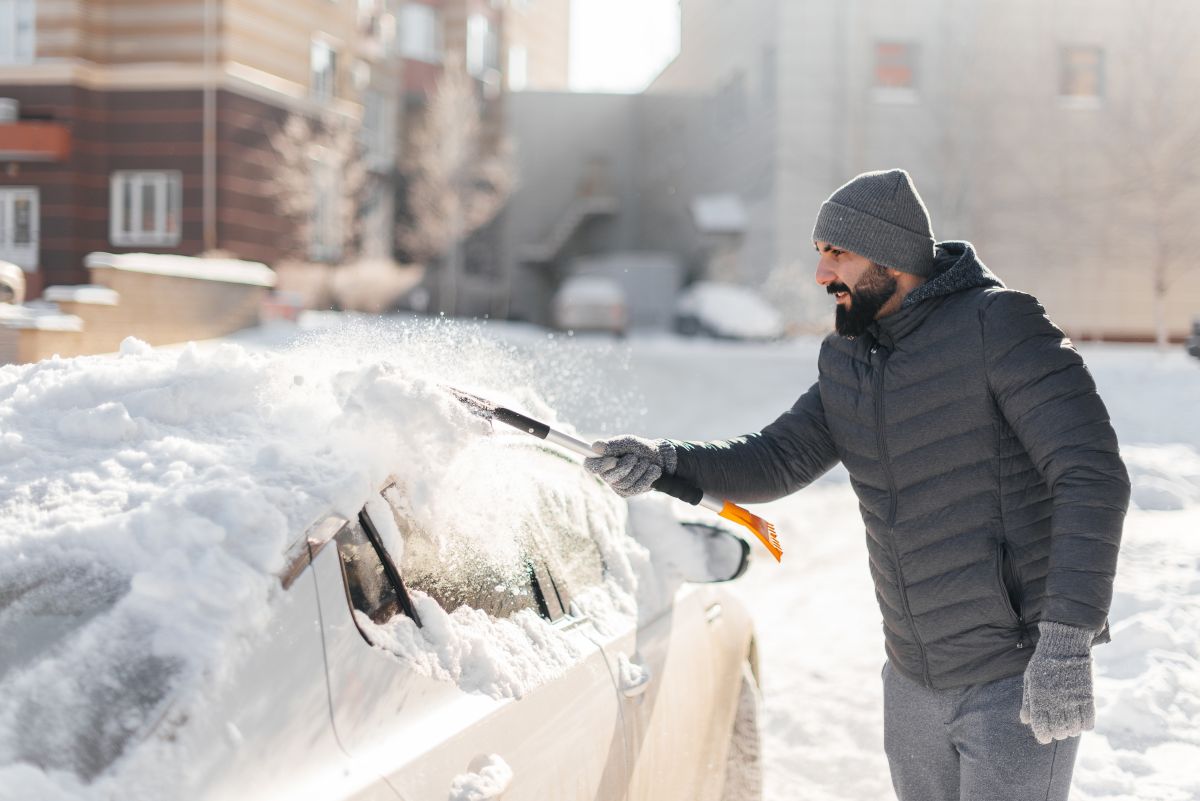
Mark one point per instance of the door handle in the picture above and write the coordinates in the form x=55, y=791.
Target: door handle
x=488, y=777
x=634, y=677
x=712, y=612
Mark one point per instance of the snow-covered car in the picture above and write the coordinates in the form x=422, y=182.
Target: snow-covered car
x=726, y=311
x=490, y=623
x=590, y=303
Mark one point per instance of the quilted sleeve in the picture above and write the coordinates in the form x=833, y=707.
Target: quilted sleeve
x=1048, y=397
x=787, y=455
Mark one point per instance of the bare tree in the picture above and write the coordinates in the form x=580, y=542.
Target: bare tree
x=1154, y=143
x=317, y=178
x=456, y=183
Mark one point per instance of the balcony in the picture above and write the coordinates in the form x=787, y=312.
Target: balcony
x=34, y=141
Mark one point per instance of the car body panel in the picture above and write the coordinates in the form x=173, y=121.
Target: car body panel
x=267, y=732
x=563, y=740
x=679, y=727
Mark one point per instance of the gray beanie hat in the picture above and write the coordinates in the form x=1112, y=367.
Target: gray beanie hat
x=879, y=215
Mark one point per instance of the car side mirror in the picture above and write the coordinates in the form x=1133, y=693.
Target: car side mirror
x=726, y=554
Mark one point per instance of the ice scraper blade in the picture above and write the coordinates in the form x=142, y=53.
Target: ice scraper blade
x=671, y=485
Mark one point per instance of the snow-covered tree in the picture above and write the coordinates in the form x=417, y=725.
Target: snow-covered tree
x=1153, y=144
x=317, y=177
x=457, y=181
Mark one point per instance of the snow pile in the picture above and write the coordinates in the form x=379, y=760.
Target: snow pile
x=146, y=502
x=486, y=782
x=234, y=271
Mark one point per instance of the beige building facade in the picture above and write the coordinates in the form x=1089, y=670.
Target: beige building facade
x=537, y=45
x=1061, y=138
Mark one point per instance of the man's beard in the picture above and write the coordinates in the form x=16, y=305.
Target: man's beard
x=869, y=295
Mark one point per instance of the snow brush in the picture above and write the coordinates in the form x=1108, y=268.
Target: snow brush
x=671, y=485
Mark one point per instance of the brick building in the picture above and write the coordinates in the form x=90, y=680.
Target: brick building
x=146, y=126
x=158, y=125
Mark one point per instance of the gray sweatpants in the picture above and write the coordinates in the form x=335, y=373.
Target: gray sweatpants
x=968, y=744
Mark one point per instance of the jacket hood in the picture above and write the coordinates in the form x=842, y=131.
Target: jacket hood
x=956, y=268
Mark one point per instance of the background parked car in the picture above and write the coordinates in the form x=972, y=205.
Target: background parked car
x=590, y=303
x=727, y=311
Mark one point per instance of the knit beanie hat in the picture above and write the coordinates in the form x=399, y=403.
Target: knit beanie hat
x=879, y=215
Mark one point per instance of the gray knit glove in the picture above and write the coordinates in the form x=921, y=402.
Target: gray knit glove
x=1058, y=700
x=631, y=464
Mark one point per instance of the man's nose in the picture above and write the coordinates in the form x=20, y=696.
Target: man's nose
x=825, y=276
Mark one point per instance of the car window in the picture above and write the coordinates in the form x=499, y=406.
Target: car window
x=571, y=555
x=496, y=588
x=370, y=589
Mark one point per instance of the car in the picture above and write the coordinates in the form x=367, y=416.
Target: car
x=726, y=311
x=590, y=303
x=389, y=665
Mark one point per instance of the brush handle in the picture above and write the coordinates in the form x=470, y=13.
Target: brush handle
x=679, y=488
x=674, y=486
x=526, y=424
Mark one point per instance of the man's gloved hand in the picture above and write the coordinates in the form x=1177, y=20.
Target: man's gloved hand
x=1058, y=700
x=631, y=464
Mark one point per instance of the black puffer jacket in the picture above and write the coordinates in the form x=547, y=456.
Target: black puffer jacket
x=986, y=469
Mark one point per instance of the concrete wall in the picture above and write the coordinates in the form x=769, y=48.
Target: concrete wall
x=709, y=125
x=566, y=144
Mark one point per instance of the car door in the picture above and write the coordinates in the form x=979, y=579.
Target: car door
x=561, y=739
x=668, y=697
x=265, y=730
x=685, y=657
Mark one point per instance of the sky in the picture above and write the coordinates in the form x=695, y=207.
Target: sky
x=621, y=45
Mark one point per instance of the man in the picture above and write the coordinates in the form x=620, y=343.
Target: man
x=989, y=480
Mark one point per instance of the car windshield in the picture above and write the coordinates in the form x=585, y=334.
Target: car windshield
x=484, y=556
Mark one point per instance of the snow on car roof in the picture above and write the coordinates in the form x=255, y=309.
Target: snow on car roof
x=147, y=501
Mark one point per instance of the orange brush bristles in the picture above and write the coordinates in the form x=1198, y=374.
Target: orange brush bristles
x=761, y=528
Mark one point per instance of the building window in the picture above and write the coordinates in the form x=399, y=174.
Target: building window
x=19, y=226
x=482, y=46
x=378, y=131
x=518, y=68
x=324, y=229
x=323, y=65
x=16, y=31
x=420, y=33
x=895, y=74
x=1081, y=75
x=145, y=208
